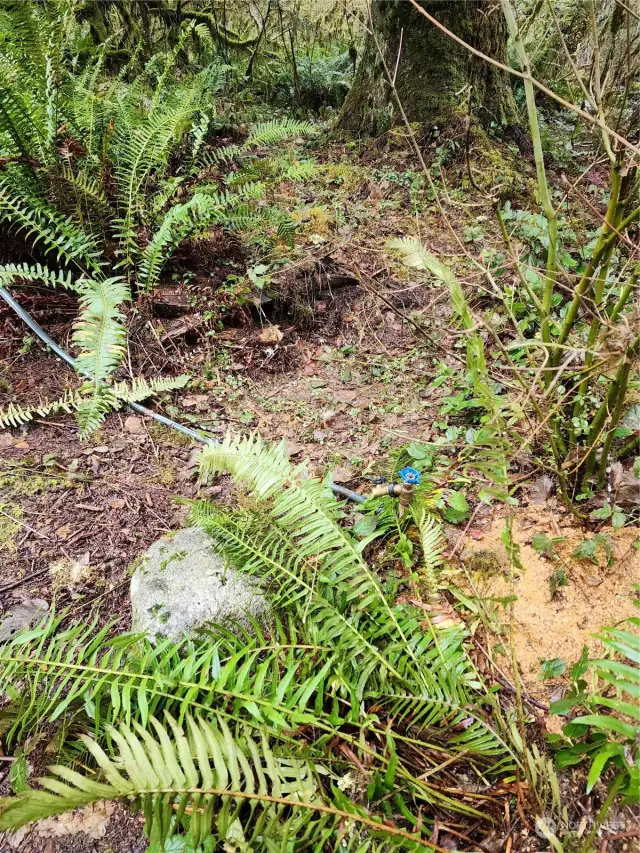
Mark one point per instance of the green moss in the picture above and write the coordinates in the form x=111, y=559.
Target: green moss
x=498, y=167
x=134, y=564
x=9, y=528
x=179, y=555
x=161, y=434
x=18, y=482
x=348, y=176
x=160, y=612
x=485, y=561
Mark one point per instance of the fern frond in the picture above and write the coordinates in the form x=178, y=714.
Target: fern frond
x=306, y=511
x=301, y=170
x=93, y=409
x=169, y=65
x=79, y=666
x=99, y=330
x=199, y=132
x=141, y=388
x=115, y=396
x=292, y=582
x=146, y=147
x=414, y=254
x=286, y=230
x=623, y=677
x=271, y=132
x=432, y=543
x=178, y=778
x=87, y=189
x=197, y=781
x=18, y=120
x=15, y=415
x=209, y=206
x=44, y=224
x=51, y=77
x=223, y=154
x=35, y=272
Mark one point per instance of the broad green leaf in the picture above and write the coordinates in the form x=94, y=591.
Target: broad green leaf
x=608, y=724
x=600, y=759
x=553, y=668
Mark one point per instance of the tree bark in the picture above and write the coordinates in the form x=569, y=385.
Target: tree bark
x=433, y=72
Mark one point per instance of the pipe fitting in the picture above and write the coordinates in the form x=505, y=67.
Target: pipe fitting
x=403, y=491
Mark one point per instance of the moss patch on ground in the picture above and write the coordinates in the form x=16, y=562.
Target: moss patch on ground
x=18, y=481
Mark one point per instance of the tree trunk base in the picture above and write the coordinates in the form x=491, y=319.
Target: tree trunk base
x=434, y=76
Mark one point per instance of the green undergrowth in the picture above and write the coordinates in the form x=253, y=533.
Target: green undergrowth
x=365, y=648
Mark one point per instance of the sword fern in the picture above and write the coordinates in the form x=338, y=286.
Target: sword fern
x=341, y=662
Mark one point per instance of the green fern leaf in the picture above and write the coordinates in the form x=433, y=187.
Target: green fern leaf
x=272, y=132
x=198, y=780
x=114, y=397
x=99, y=331
x=432, y=542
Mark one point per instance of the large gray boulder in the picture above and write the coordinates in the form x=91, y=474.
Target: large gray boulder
x=182, y=584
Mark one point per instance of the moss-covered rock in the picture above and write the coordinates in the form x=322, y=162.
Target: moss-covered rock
x=182, y=584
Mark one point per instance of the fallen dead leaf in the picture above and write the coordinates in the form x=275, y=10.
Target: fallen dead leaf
x=293, y=447
x=540, y=490
x=342, y=474
x=63, y=532
x=271, y=335
x=194, y=400
x=133, y=425
x=92, y=820
x=6, y=440
x=345, y=395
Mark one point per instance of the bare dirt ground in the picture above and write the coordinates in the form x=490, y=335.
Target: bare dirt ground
x=547, y=626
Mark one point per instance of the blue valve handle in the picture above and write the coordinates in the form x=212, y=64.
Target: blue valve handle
x=410, y=475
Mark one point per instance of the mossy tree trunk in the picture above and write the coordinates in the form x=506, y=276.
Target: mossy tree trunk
x=433, y=72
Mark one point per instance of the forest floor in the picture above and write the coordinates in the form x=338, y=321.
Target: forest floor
x=332, y=365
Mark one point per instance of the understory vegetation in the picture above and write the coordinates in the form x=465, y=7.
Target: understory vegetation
x=378, y=705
